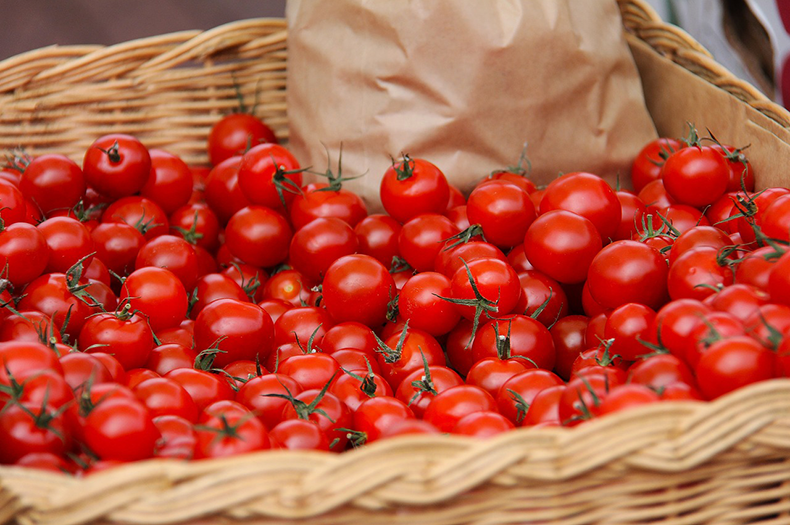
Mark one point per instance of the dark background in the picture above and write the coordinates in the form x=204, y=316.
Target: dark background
x=30, y=24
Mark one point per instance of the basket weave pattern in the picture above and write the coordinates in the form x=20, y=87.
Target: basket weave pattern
x=679, y=462
x=682, y=463
x=166, y=90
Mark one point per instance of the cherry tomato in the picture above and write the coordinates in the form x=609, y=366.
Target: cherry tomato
x=412, y=187
x=270, y=175
x=562, y=245
x=117, y=165
x=503, y=211
x=358, y=288
x=258, y=236
x=320, y=243
x=586, y=195
x=649, y=161
x=696, y=175
x=240, y=330
x=420, y=303
x=628, y=272
x=447, y=408
x=234, y=134
x=121, y=429
x=378, y=237
x=52, y=182
x=733, y=363
x=324, y=200
x=422, y=238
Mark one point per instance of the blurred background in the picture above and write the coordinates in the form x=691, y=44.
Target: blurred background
x=751, y=38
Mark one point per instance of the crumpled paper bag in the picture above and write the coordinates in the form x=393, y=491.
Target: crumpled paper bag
x=463, y=84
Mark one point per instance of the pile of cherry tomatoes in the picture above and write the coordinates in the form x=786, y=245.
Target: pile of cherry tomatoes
x=153, y=309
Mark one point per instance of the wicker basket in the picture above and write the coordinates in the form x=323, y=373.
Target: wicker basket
x=683, y=463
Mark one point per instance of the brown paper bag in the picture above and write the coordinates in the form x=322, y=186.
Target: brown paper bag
x=464, y=84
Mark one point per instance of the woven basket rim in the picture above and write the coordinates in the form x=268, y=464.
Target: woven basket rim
x=664, y=438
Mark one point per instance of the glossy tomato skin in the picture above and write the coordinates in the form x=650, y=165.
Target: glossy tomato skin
x=129, y=340
x=697, y=273
x=495, y=280
x=449, y=261
x=378, y=237
x=490, y=373
x=170, y=356
x=335, y=415
x=117, y=245
x=247, y=330
x=698, y=236
x=450, y=406
x=741, y=174
x=628, y=325
x=569, y=335
x=214, y=286
x=223, y=193
x=172, y=253
x=69, y=241
x=779, y=280
x=163, y=396
x=351, y=390
x=417, y=349
x=412, y=187
x=203, y=387
x=157, y=294
x=374, y=415
x=233, y=134
x=349, y=335
x=200, y=218
x=562, y=245
x=319, y=200
x=14, y=204
x=422, y=238
x=632, y=212
x=660, y=371
x=541, y=291
x=262, y=168
x=410, y=390
x=484, y=424
x=628, y=272
x=21, y=434
x=259, y=236
x=318, y=244
x=675, y=321
x=528, y=338
x=545, y=408
x=733, y=363
x=586, y=195
x=517, y=393
x=169, y=183
x=24, y=251
x=117, y=165
x=142, y=213
x=51, y=294
x=53, y=182
x=178, y=438
x=290, y=286
x=214, y=441
x=358, y=288
x=255, y=395
x=696, y=175
x=625, y=397
x=420, y=303
x=649, y=161
x=504, y=211
x=299, y=434
x=121, y=429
